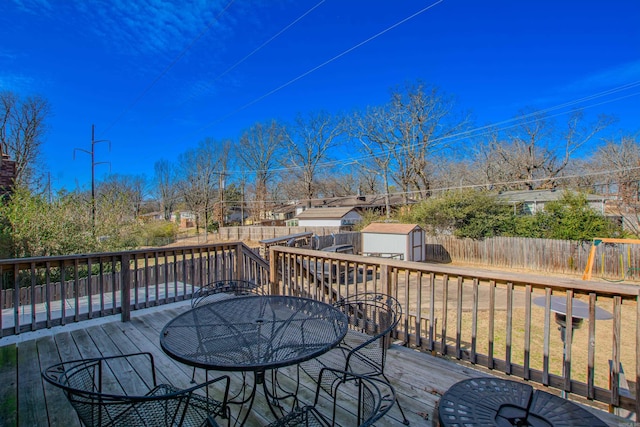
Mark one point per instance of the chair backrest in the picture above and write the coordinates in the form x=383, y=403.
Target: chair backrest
x=210, y=292
x=372, y=317
x=101, y=390
x=375, y=398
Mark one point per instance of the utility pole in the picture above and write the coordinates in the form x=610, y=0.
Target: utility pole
x=221, y=197
x=49, y=187
x=93, y=174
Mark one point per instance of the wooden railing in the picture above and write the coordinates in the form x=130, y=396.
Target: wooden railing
x=489, y=318
x=43, y=292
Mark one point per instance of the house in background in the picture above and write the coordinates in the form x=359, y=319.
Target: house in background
x=344, y=218
x=280, y=214
x=187, y=219
x=528, y=202
x=371, y=203
x=152, y=216
x=393, y=240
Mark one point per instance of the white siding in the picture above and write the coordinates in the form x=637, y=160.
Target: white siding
x=385, y=243
x=319, y=222
x=411, y=245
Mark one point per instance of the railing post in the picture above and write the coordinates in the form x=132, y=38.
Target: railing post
x=239, y=273
x=385, y=279
x=125, y=289
x=16, y=300
x=273, y=271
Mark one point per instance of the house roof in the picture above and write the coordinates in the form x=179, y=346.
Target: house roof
x=369, y=201
x=324, y=213
x=390, y=228
x=363, y=202
x=542, y=196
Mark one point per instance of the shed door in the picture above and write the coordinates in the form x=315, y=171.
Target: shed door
x=417, y=245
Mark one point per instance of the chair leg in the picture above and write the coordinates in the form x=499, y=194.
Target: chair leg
x=193, y=376
x=405, y=421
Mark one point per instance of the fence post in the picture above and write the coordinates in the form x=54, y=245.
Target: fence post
x=125, y=289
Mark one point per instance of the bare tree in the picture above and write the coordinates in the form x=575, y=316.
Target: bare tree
x=22, y=129
x=399, y=139
x=309, y=144
x=488, y=167
x=368, y=181
x=201, y=172
x=128, y=190
x=340, y=183
x=166, y=186
x=260, y=149
x=534, y=154
x=618, y=167
x=377, y=141
x=423, y=120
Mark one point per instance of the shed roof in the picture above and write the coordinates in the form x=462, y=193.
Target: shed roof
x=324, y=213
x=390, y=228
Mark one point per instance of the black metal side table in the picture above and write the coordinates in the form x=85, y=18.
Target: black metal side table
x=253, y=334
x=496, y=402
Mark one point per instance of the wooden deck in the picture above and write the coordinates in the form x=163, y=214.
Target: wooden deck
x=26, y=400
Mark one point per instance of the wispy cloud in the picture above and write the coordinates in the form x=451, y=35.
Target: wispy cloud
x=142, y=27
x=15, y=82
x=615, y=76
x=605, y=86
x=34, y=6
x=153, y=27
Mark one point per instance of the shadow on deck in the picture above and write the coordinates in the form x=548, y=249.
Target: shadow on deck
x=25, y=399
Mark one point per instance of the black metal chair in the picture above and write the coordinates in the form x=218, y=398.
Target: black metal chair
x=372, y=317
x=122, y=391
x=374, y=399
x=211, y=291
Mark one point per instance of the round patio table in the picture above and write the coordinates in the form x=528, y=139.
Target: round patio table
x=253, y=334
x=498, y=402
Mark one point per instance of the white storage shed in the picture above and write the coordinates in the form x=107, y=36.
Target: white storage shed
x=329, y=217
x=394, y=240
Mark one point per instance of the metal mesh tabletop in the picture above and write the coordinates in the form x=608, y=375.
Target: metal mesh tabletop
x=253, y=333
x=496, y=402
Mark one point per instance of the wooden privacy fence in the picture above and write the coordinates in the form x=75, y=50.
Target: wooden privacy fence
x=32, y=295
x=257, y=233
x=490, y=318
x=613, y=262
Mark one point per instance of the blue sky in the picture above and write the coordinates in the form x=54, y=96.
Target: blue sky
x=158, y=76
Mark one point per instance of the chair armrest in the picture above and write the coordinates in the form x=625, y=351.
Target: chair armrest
x=89, y=372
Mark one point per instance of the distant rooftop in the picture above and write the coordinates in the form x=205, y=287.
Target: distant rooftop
x=542, y=196
x=324, y=213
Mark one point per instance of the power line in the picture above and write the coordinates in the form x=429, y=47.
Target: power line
x=317, y=67
x=259, y=48
x=485, y=129
x=449, y=188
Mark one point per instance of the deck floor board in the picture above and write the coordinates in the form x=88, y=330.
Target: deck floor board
x=419, y=378
x=8, y=384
